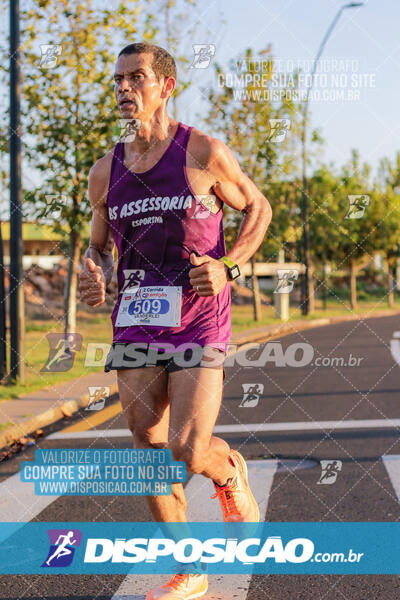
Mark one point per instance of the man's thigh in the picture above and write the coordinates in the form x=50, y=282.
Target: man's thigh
x=145, y=403
x=195, y=396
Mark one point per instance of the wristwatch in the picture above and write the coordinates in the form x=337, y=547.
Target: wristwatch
x=233, y=268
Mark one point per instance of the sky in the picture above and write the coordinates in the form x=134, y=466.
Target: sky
x=363, y=51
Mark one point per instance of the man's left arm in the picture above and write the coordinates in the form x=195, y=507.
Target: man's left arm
x=234, y=188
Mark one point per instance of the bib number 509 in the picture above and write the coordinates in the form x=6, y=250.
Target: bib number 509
x=152, y=307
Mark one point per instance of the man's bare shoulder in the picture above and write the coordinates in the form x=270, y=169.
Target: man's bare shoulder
x=208, y=152
x=101, y=169
x=99, y=177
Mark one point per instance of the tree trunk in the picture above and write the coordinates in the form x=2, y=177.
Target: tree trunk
x=71, y=283
x=256, y=291
x=353, y=284
x=390, y=283
x=310, y=291
x=324, y=288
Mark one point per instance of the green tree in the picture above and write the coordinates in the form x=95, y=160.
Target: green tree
x=325, y=214
x=359, y=222
x=69, y=114
x=389, y=185
x=242, y=112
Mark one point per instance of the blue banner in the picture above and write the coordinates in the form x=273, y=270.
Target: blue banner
x=259, y=548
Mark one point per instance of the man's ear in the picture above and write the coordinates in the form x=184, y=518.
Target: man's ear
x=168, y=87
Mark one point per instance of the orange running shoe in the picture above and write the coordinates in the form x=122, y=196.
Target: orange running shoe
x=181, y=587
x=237, y=501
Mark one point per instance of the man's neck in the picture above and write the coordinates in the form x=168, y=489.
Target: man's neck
x=151, y=135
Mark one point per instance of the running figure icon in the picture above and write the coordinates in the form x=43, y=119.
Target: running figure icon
x=62, y=549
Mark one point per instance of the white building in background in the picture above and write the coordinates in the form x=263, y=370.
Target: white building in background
x=42, y=246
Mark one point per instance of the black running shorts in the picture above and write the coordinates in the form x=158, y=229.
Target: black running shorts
x=132, y=355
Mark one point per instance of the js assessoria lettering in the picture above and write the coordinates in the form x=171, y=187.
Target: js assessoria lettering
x=149, y=204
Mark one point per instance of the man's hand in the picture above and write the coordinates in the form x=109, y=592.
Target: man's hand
x=210, y=275
x=92, y=283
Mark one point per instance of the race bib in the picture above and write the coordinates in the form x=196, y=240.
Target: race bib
x=152, y=305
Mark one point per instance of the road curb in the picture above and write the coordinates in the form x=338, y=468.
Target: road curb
x=13, y=433
x=281, y=329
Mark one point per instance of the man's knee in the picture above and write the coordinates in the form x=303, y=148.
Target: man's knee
x=194, y=455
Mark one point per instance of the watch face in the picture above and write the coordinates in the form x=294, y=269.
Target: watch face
x=235, y=272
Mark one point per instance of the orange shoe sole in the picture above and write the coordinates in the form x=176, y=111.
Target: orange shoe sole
x=198, y=594
x=244, y=467
x=192, y=596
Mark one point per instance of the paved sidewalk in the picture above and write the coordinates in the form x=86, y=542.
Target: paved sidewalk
x=38, y=409
x=44, y=407
x=20, y=409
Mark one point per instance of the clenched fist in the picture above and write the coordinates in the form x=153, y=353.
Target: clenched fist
x=209, y=276
x=92, y=283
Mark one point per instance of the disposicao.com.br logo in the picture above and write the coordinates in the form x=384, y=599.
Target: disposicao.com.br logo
x=213, y=550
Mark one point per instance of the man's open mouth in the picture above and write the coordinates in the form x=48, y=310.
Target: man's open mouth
x=126, y=103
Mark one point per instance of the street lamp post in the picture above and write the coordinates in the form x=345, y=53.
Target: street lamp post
x=304, y=203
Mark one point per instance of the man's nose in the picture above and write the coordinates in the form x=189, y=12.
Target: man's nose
x=124, y=85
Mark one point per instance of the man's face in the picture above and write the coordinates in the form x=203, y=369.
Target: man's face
x=137, y=90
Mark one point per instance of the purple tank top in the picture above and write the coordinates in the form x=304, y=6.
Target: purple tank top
x=156, y=221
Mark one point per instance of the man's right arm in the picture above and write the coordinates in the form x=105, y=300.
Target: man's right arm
x=98, y=264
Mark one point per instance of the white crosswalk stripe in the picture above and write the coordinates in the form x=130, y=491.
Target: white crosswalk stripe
x=247, y=428
x=18, y=501
x=392, y=464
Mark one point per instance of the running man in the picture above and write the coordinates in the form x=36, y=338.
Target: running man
x=160, y=199
x=62, y=542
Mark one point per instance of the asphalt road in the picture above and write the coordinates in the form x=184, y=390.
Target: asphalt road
x=366, y=488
